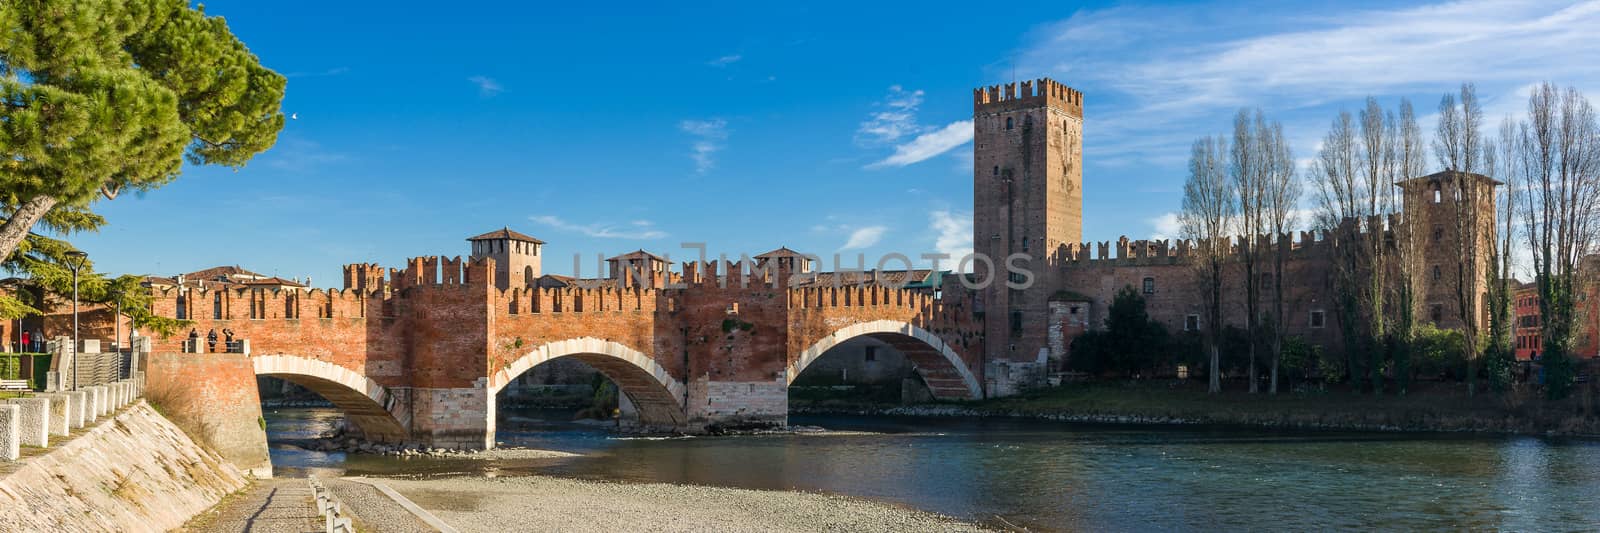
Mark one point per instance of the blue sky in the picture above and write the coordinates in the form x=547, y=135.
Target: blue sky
x=822, y=127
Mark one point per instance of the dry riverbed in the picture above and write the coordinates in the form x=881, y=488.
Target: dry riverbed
x=538, y=503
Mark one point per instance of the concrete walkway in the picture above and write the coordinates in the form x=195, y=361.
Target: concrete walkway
x=268, y=506
x=374, y=509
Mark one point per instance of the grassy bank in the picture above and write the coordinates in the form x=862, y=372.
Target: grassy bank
x=1428, y=407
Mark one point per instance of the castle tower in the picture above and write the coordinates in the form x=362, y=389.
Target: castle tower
x=1430, y=201
x=1027, y=198
x=516, y=257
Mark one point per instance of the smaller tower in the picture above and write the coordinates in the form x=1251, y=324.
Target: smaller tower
x=516, y=257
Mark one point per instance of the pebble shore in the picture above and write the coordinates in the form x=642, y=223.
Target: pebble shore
x=538, y=503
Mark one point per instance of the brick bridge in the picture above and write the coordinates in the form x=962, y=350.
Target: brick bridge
x=419, y=356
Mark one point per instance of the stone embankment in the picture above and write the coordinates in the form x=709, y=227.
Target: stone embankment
x=133, y=472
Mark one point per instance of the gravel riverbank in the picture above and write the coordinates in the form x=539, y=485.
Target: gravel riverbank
x=538, y=503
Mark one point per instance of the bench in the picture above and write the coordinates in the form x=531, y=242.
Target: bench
x=14, y=385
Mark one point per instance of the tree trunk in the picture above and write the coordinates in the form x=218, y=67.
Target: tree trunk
x=15, y=229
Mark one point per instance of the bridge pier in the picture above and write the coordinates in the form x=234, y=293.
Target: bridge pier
x=715, y=405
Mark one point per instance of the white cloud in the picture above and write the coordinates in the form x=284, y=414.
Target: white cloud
x=864, y=237
x=896, y=119
x=725, y=60
x=1158, y=77
x=1166, y=226
x=954, y=236
x=486, y=86
x=638, y=229
x=928, y=145
x=709, y=135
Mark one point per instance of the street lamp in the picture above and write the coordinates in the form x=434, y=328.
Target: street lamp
x=116, y=339
x=75, y=261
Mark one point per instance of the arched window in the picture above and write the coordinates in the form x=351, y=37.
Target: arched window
x=1008, y=123
x=527, y=275
x=181, y=313
x=216, y=306
x=1438, y=195
x=997, y=170
x=1149, y=285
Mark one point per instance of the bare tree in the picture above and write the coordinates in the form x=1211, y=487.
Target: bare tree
x=1247, y=170
x=1460, y=149
x=1378, y=173
x=1410, y=237
x=1333, y=174
x=1507, y=166
x=1559, y=159
x=1207, y=216
x=1280, y=195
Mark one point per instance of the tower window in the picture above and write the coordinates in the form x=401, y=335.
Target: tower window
x=1149, y=285
x=1438, y=273
x=871, y=354
x=1191, y=322
x=1016, y=321
x=1438, y=195
x=997, y=170
x=1008, y=123
x=1319, y=319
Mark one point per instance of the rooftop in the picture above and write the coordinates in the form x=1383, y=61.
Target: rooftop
x=505, y=233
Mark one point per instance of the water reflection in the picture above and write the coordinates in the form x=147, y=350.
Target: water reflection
x=1062, y=476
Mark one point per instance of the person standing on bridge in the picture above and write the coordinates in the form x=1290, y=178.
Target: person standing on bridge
x=211, y=341
x=194, y=340
x=27, y=343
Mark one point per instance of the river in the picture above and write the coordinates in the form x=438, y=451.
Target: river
x=1049, y=475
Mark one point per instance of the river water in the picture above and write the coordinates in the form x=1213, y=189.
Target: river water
x=1055, y=476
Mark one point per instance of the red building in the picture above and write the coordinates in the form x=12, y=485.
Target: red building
x=1526, y=331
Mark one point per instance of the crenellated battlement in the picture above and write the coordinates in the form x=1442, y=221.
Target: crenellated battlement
x=436, y=270
x=1031, y=93
x=531, y=300
x=193, y=303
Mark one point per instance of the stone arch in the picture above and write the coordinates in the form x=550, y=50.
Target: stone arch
x=657, y=395
x=366, y=404
x=941, y=367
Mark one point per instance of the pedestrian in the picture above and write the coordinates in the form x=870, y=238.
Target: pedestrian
x=194, y=340
x=227, y=339
x=38, y=341
x=211, y=341
x=27, y=342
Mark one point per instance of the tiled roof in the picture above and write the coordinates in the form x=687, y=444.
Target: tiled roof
x=780, y=252
x=211, y=274
x=636, y=255
x=505, y=233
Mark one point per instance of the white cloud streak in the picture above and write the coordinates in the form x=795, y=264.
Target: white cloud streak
x=709, y=136
x=725, y=60
x=636, y=230
x=928, y=145
x=487, y=86
x=864, y=237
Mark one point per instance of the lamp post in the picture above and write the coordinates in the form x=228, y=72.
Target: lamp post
x=75, y=260
x=116, y=320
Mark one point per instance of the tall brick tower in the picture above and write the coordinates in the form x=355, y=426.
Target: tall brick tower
x=1432, y=200
x=516, y=256
x=1027, y=198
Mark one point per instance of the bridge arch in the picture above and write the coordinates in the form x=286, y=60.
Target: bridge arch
x=941, y=367
x=657, y=395
x=365, y=403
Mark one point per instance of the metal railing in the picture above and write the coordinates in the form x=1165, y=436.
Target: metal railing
x=333, y=518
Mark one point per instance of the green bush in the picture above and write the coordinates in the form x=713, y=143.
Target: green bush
x=1438, y=353
x=1130, y=344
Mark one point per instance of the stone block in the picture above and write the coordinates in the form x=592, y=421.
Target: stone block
x=119, y=394
x=10, y=441
x=33, y=421
x=90, y=345
x=80, y=408
x=96, y=400
x=60, y=413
